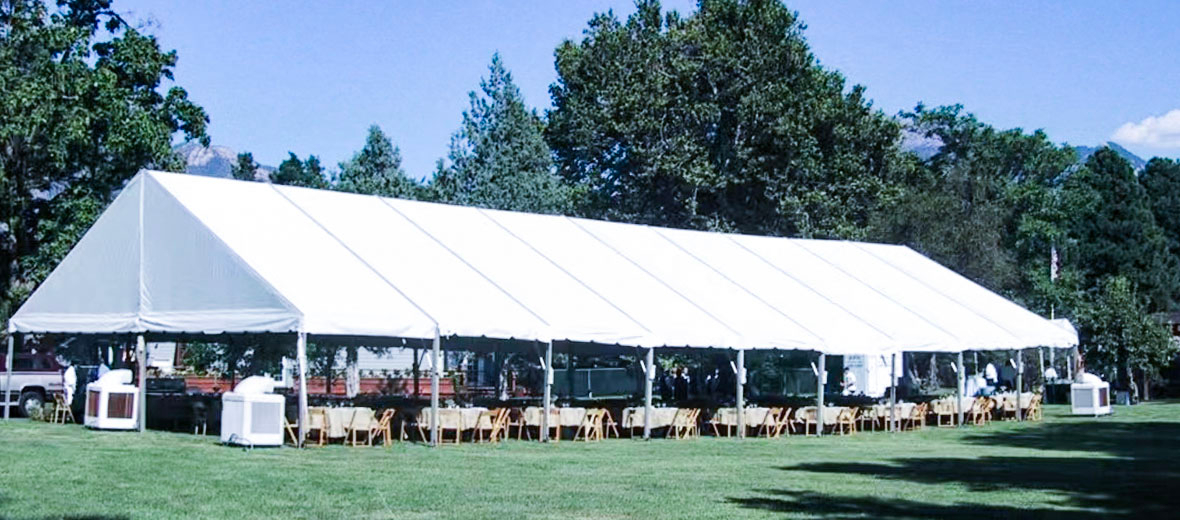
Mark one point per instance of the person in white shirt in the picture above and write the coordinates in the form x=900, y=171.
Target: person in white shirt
x=989, y=373
x=849, y=381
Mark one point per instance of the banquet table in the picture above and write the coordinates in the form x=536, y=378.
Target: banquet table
x=660, y=417
x=341, y=418
x=754, y=417
x=569, y=416
x=453, y=418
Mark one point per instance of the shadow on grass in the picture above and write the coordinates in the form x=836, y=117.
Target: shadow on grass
x=1128, y=469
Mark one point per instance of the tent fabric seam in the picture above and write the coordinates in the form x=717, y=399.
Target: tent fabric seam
x=878, y=291
x=463, y=260
x=810, y=288
x=563, y=270
x=653, y=276
x=936, y=290
x=738, y=285
x=355, y=255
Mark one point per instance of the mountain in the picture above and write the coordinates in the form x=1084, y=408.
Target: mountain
x=1084, y=152
x=214, y=161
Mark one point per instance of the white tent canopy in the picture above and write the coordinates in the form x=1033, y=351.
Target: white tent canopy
x=186, y=254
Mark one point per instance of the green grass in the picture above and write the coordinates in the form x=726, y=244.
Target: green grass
x=1123, y=466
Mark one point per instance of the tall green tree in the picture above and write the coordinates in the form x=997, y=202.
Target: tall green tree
x=1113, y=231
x=81, y=110
x=377, y=169
x=985, y=203
x=719, y=120
x=1161, y=181
x=246, y=168
x=1119, y=335
x=296, y=172
x=498, y=158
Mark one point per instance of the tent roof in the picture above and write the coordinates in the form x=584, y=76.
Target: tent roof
x=178, y=253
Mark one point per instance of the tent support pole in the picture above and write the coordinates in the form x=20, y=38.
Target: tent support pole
x=821, y=375
x=892, y=392
x=1041, y=364
x=8, y=372
x=1019, y=383
x=301, y=362
x=435, y=369
x=547, y=406
x=647, y=377
x=741, y=393
x=960, y=380
x=141, y=367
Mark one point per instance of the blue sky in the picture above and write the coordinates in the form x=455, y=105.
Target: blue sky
x=310, y=77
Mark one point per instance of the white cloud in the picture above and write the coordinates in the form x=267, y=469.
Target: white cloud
x=1155, y=131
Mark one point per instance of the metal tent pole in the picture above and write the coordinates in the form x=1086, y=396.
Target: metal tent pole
x=821, y=376
x=961, y=373
x=301, y=362
x=435, y=369
x=548, y=404
x=1041, y=363
x=647, y=379
x=8, y=372
x=741, y=393
x=1019, y=383
x=141, y=365
x=892, y=392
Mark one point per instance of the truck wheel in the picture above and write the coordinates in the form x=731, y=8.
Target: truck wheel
x=30, y=399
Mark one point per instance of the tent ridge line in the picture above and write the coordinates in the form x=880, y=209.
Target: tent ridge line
x=562, y=269
x=463, y=260
x=353, y=253
x=878, y=291
x=652, y=275
x=745, y=289
x=229, y=250
x=956, y=301
x=810, y=288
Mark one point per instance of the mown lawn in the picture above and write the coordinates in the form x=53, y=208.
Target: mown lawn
x=1125, y=466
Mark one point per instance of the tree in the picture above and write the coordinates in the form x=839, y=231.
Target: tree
x=1161, y=181
x=1113, y=231
x=985, y=203
x=377, y=169
x=295, y=172
x=720, y=120
x=245, y=169
x=81, y=112
x=1118, y=335
x=498, y=158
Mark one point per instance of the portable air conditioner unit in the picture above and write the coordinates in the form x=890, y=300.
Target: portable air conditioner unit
x=112, y=402
x=1090, y=396
x=252, y=415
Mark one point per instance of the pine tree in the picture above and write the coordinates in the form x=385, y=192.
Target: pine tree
x=377, y=169
x=498, y=158
x=294, y=172
x=246, y=169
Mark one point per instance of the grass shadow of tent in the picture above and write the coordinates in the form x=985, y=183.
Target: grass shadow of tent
x=1098, y=469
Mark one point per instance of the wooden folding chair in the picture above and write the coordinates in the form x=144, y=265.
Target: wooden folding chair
x=867, y=415
x=497, y=420
x=383, y=426
x=609, y=424
x=845, y=421
x=317, y=421
x=61, y=411
x=591, y=427
x=516, y=420
x=684, y=424
x=769, y=426
x=291, y=431
x=944, y=409
x=1034, y=412
x=806, y=416
x=784, y=422
x=917, y=417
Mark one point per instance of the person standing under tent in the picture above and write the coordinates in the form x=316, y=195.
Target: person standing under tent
x=849, y=382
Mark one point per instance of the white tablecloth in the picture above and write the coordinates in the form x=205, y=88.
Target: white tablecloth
x=660, y=417
x=754, y=416
x=570, y=416
x=340, y=419
x=453, y=418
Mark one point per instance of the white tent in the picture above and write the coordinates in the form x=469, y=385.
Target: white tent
x=180, y=254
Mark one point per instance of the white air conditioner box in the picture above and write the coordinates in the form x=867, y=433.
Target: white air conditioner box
x=112, y=402
x=252, y=415
x=1090, y=396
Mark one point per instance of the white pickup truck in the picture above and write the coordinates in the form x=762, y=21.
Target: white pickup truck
x=35, y=378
